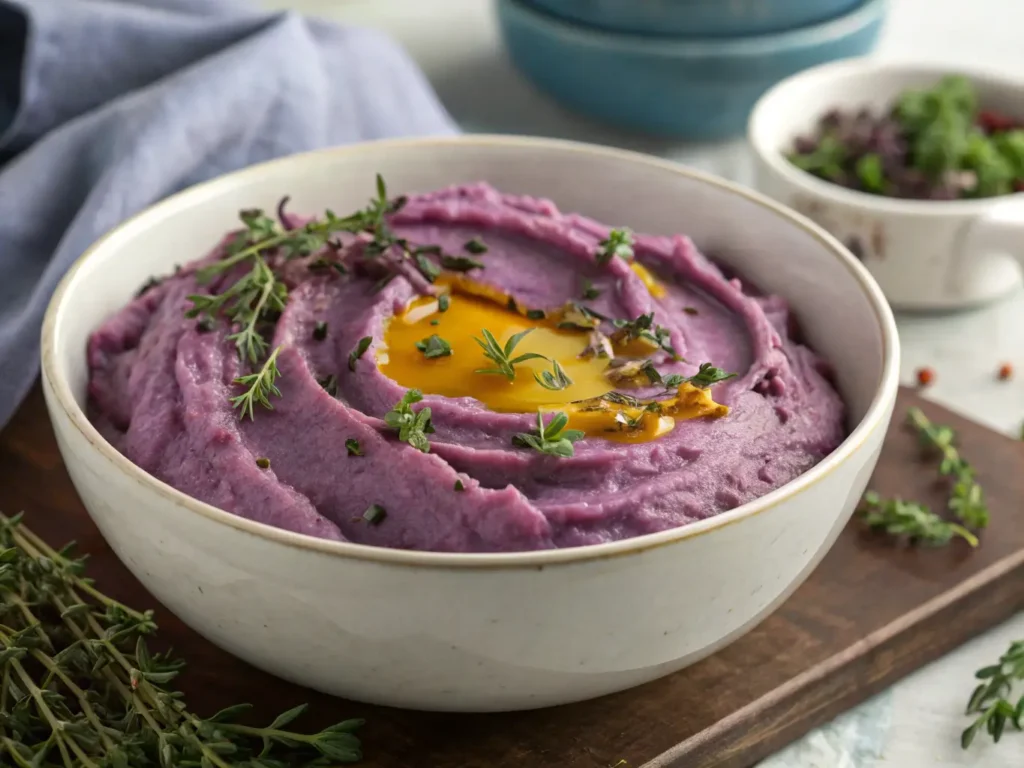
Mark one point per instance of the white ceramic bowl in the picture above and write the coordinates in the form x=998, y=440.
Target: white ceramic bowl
x=470, y=631
x=925, y=254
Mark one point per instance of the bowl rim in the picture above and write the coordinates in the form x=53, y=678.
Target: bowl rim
x=874, y=417
x=872, y=67
x=850, y=23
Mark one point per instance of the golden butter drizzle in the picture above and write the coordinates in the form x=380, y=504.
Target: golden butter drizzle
x=474, y=306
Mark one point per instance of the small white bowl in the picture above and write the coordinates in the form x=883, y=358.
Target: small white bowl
x=479, y=632
x=926, y=255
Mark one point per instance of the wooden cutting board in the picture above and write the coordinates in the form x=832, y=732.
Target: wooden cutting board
x=871, y=613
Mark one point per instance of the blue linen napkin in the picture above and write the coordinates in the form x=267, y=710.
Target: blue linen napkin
x=107, y=106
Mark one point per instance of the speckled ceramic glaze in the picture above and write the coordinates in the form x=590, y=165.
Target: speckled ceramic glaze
x=480, y=632
x=697, y=89
x=925, y=254
x=698, y=18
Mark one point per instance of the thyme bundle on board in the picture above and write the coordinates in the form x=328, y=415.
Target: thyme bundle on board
x=79, y=687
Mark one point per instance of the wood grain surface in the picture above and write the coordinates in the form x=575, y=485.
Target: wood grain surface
x=871, y=613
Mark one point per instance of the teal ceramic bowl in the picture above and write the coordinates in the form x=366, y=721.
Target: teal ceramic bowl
x=690, y=89
x=698, y=18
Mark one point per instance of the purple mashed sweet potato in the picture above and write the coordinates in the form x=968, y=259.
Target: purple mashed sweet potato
x=161, y=383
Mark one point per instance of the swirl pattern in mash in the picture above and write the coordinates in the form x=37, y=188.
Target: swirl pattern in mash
x=161, y=386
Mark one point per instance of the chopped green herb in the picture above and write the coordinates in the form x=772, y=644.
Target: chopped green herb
x=205, y=325
x=618, y=243
x=412, y=427
x=636, y=422
x=578, y=317
x=338, y=267
x=435, y=321
x=259, y=387
x=870, y=172
x=555, y=379
x=460, y=263
x=994, y=171
x=434, y=346
x=360, y=349
x=353, y=448
x=443, y=302
x=374, y=514
x=536, y=314
x=320, y=331
x=147, y=286
x=502, y=356
x=427, y=268
x=554, y=439
x=643, y=327
x=263, y=462
x=707, y=375
x=651, y=372
x=330, y=384
x=589, y=291
x=673, y=381
x=826, y=160
x=475, y=246
x=621, y=398
x=459, y=486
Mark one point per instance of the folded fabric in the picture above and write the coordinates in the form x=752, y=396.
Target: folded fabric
x=107, y=106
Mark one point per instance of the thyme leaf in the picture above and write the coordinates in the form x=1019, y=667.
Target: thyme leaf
x=413, y=427
x=991, y=700
x=476, y=246
x=707, y=374
x=360, y=349
x=434, y=346
x=966, y=500
x=259, y=387
x=374, y=514
x=553, y=439
x=644, y=327
x=618, y=243
x=556, y=379
x=460, y=263
x=502, y=356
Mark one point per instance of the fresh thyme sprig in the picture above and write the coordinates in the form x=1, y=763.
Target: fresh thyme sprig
x=553, y=439
x=81, y=689
x=412, y=427
x=912, y=520
x=991, y=700
x=502, y=356
x=434, y=346
x=644, y=327
x=618, y=243
x=256, y=298
x=706, y=376
x=966, y=499
x=259, y=387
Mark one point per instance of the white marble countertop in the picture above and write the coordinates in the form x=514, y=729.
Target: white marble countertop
x=917, y=723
